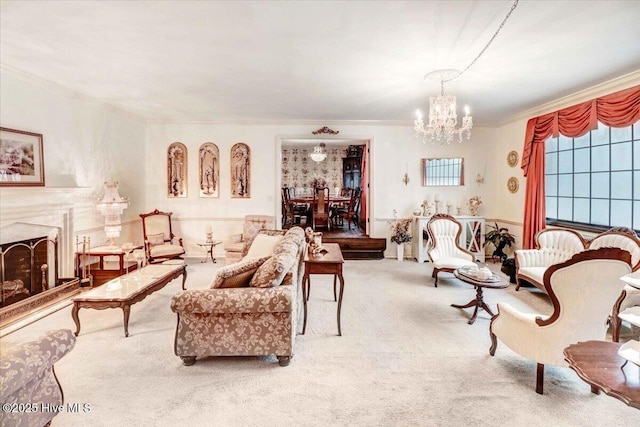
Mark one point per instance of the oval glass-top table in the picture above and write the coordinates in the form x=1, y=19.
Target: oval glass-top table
x=494, y=282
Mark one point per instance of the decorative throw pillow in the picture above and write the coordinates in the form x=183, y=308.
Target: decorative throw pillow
x=155, y=239
x=272, y=272
x=262, y=246
x=236, y=275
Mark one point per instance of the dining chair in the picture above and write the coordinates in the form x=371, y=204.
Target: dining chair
x=321, y=207
x=350, y=210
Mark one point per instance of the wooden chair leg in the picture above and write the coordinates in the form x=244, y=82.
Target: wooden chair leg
x=615, y=321
x=539, y=378
x=494, y=344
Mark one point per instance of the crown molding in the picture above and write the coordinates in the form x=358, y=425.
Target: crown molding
x=281, y=122
x=614, y=85
x=48, y=84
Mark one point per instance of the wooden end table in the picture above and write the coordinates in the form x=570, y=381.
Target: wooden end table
x=494, y=282
x=329, y=263
x=127, y=290
x=598, y=364
x=209, y=247
x=106, y=267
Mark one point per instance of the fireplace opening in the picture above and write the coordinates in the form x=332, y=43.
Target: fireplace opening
x=29, y=269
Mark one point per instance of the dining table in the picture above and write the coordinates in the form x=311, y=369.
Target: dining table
x=309, y=199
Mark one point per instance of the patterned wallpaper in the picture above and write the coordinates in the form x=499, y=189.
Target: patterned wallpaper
x=298, y=169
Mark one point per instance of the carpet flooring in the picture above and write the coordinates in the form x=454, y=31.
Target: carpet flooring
x=406, y=358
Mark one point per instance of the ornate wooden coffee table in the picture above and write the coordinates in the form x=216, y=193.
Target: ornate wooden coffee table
x=494, y=283
x=127, y=290
x=598, y=364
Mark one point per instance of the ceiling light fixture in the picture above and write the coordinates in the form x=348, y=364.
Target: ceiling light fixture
x=443, y=116
x=319, y=153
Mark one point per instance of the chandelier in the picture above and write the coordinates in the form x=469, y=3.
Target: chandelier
x=318, y=154
x=111, y=206
x=443, y=116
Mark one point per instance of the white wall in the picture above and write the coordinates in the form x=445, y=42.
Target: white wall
x=85, y=143
x=395, y=150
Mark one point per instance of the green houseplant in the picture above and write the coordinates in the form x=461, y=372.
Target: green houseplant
x=499, y=238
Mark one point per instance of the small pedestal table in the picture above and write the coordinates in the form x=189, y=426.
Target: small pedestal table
x=209, y=247
x=494, y=282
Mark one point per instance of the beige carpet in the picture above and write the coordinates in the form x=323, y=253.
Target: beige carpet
x=405, y=358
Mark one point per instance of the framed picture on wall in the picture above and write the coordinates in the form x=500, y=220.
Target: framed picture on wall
x=240, y=171
x=177, y=170
x=21, y=158
x=209, y=156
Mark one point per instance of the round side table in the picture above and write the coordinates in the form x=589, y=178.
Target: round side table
x=494, y=282
x=209, y=247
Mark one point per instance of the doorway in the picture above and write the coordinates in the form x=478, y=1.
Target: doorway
x=342, y=168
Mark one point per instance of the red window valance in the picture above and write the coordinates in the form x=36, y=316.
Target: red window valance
x=618, y=109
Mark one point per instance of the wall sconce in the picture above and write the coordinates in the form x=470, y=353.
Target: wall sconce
x=480, y=179
x=405, y=178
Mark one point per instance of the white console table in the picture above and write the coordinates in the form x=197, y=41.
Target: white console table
x=471, y=238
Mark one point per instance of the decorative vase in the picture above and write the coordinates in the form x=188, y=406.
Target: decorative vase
x=400, y=251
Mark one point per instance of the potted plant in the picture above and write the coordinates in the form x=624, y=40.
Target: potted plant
x=400, y=233
x=499, y=238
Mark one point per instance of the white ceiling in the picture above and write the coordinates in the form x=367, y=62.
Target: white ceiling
x=320, y=61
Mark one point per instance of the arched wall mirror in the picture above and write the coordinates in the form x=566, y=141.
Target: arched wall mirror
x=443, y=172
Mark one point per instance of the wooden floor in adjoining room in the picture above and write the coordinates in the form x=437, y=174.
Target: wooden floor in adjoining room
x=354, y=242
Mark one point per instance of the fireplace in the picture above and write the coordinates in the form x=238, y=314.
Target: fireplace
x=30, y=270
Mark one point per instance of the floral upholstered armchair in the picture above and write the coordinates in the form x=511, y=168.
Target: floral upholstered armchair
x=27, y=377
x=252, y=306
x=237, y=248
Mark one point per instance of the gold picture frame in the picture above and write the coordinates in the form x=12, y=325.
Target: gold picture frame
x=512, y=158
x=513, y=184
x=21, y=158
x=209, y=173
x=240, y=171
x=177, y=170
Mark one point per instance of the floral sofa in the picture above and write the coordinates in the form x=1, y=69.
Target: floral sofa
x=252, y=306
x=28, y=381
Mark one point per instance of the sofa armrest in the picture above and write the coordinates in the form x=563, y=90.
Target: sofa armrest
x=233, y=300
x=24, y=362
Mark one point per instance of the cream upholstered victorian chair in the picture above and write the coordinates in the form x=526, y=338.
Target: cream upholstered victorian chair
x=582, y=291
x=553, y=245
x=444, y=250
x=240, y=243
x=629, y=300
x=159, y=241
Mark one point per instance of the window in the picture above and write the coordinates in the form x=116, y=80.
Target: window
x=593, y=182
x=437, y=172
